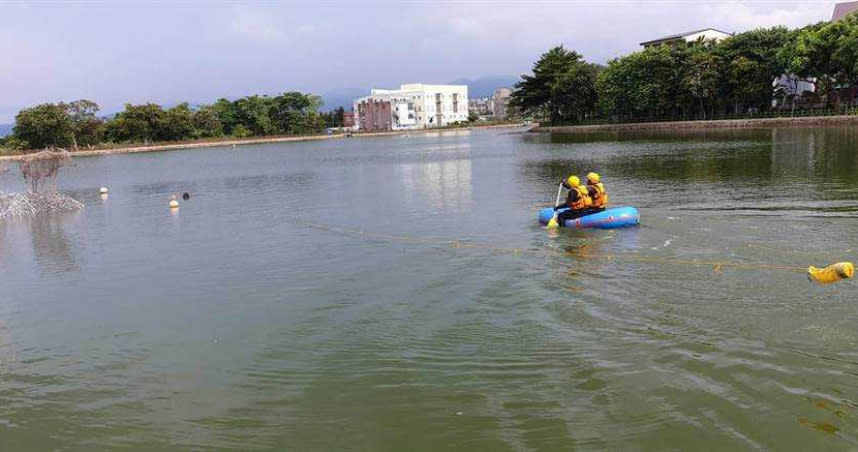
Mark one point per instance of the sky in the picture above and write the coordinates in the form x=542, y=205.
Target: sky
x=116, y=52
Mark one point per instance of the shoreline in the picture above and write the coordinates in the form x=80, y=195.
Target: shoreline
x=260, y=140
x=435, y=130
x=804, y=121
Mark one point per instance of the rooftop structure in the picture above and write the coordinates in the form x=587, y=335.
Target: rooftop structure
x=708, y=34
x=841, y=10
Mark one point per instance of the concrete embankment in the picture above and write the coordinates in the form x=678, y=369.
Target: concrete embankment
x=716, y=124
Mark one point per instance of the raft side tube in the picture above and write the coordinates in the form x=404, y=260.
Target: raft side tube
x=617, y=217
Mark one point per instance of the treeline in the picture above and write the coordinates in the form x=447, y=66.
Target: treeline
x=77, y=124
x=335, y=118
x=697, y=80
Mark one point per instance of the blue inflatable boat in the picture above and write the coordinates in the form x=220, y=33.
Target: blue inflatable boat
x=618, y=217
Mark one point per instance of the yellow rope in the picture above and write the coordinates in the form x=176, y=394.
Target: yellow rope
x=717, y=266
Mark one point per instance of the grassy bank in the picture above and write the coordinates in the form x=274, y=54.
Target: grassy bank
x=714, y=124
x=176, y=145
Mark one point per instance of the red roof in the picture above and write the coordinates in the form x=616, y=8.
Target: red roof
x=841, y=10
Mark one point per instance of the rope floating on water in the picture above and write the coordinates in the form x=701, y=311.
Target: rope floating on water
x=717, y=266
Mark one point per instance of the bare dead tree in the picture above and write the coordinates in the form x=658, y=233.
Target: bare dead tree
x=40, y=169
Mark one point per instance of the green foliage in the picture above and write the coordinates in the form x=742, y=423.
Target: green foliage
x=87, y=127
x=45, y=125
x=334, y=118
x=753, y=60
x=473, y=116
x=240, y=131
x=695, y=80
x=11, y=144
x=643, y=84
x=562, y=86
x=206, y=122
x=176, y=124
x=137, y=123
x=701, y=78
x=76, y=124
x=827, y=53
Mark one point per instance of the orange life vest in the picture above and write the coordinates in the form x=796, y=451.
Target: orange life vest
x=600, y=200
x=583, y=200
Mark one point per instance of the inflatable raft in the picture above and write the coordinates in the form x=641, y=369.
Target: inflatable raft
x=618, y=217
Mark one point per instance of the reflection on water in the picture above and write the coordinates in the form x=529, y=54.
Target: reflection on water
x=49, y=246
x=52, y=250
x=398, y=291
x=446, y=185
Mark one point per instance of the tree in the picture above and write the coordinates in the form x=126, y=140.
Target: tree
x=811, y=56
x=701, y=79
x=11, y=144
x=473, y=116
x=736, y=87
x=844, y=58
x=45, y=125
x=207, y=122
x=87, y=128
x=558, y=77
x=754, y=63
x=254, y=113
x=227, y=114
x=175, y=124
x=644, y=84
x=339, y=114
x=40, y=170
x=575, y=92
x=289, y=110
x=137, y=123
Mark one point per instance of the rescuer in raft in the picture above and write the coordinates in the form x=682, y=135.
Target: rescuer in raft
x=578, y=201
x=597, y=193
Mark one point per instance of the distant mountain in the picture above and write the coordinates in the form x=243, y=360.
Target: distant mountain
x=6, y=129
x=342, y=97
x=486, y=85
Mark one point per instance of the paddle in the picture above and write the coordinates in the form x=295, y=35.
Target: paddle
x=553, y=222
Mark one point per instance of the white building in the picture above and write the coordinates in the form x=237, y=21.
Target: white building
x=707, y=34
x=412, y=106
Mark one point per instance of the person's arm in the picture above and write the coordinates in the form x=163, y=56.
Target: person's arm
x=573, y=196
x=591, y=191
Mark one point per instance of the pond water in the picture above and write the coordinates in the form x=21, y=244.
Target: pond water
x=396, y=293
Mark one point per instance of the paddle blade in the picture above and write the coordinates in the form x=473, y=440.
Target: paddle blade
x=553, y=222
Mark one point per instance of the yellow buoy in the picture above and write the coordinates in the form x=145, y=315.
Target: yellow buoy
x=174, y=204
x=103, y=190
x=832, y=273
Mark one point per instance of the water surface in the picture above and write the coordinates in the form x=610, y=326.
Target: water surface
x=396, y=293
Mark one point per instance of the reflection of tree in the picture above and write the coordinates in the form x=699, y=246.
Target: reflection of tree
x=821, y=154
x=664, y=135
x=51, y=248
x=695, y=156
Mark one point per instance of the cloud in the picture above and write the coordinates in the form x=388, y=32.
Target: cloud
x=742, y=16
x=469, y=27
x=117, y=52
x=255, y=24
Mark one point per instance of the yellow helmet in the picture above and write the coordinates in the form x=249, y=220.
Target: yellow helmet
x=593, y=178
x=573, y=181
